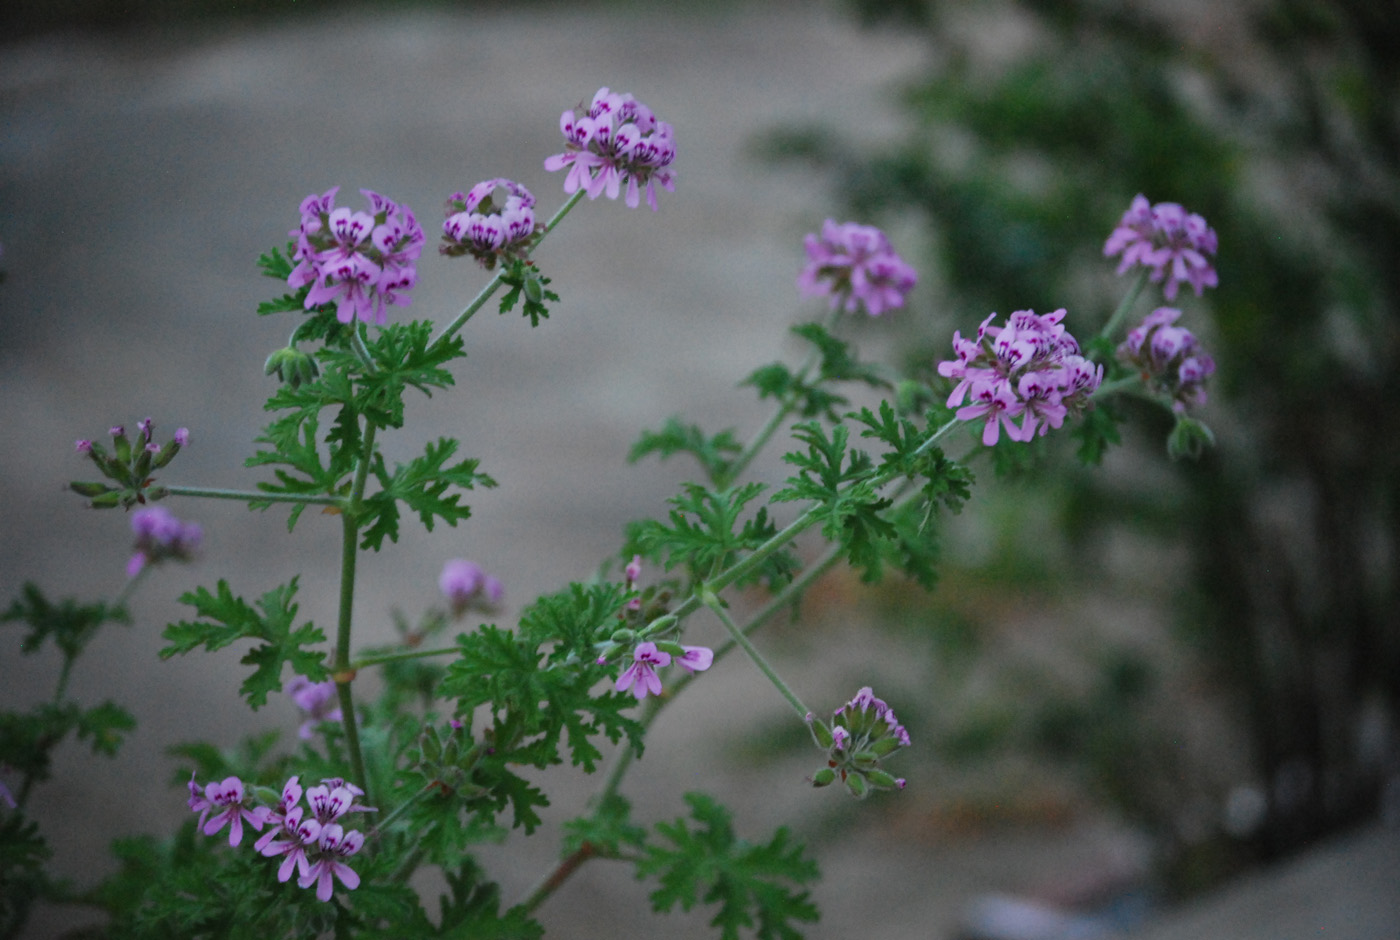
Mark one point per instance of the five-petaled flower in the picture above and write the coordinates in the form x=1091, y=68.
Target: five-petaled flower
x=466, y=586
x=641, y=676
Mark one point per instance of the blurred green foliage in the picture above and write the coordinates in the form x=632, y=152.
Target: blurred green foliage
x=1030, y=128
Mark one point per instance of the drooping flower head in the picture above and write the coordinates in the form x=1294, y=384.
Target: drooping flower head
x=616, y=140
x=161, y=536
x=363, y=262
x=1030, y=368
x=1170, y=358
x=467, y=587
x=856, y=267
x=861, y=733
x=493, y=221
x=1167, y=241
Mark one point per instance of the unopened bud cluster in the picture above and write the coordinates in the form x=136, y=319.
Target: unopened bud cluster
x=862, y=733
x=128, y=466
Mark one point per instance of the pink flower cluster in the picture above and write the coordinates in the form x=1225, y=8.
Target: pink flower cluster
x=647, y=657
x=617, y=140
x=466, y=586
x=161, y=536
x=856, y=267
x=1166, y=240
x=315, y=846
x=862, y=732
x=360, y=261
x=494, y=220
x=1170, y=358
x=1028, y=369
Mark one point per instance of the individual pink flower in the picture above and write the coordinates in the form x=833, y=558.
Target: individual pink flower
x=227, y=807
x=493, y=221
x=317, y=699
x=1168, y=241
x=641, y=676
x=694, y=659
x=334, y=844
x=617, y=140
x=856, y=267
x=161, y=536
x=363, y=262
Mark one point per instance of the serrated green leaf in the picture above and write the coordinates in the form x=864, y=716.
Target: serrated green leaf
x=228, y=618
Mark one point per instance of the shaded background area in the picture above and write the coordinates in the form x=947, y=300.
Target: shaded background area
x=1080, y=746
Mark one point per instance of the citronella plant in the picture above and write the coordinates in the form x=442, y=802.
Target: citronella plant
x=319, y=838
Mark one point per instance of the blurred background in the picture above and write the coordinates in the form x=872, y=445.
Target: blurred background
x=1133, y=685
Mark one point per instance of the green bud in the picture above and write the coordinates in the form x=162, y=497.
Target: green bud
x=142, y=467
x=855, y=783
x=821, y=734
x=882, y=780
x=623, y=636
x=824, y=777
x=884, y=746
x=292, y=366
x=167, y=454
x=534, y=290
x=122, y=445
x=864, y=759
x=109, y=500
x=1189, y=438
x=88, y=489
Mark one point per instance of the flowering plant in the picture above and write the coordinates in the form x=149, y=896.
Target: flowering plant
x=442, y=759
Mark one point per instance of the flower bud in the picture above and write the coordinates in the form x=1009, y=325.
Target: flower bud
x=292, y=366
x=88, y=489
x=824, y=777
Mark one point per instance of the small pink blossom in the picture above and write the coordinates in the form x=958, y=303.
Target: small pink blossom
x=466, y=586
x=161, y=536
x=317, y=699
x=227, y=806
x=641, y=676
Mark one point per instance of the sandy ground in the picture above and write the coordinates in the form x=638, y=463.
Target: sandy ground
x=141, y=176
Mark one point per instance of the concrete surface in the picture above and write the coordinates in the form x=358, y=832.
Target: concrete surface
x=140, y=177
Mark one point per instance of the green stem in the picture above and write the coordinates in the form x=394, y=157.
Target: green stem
x=1110, y=329
x=252, y=496
x=349, y=555
x=383, y=658
x=557, y=876
x=357, y=342
x=492, y=285
x=738, y=636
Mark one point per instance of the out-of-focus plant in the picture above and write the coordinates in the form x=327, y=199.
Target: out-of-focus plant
x=1031, y=121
